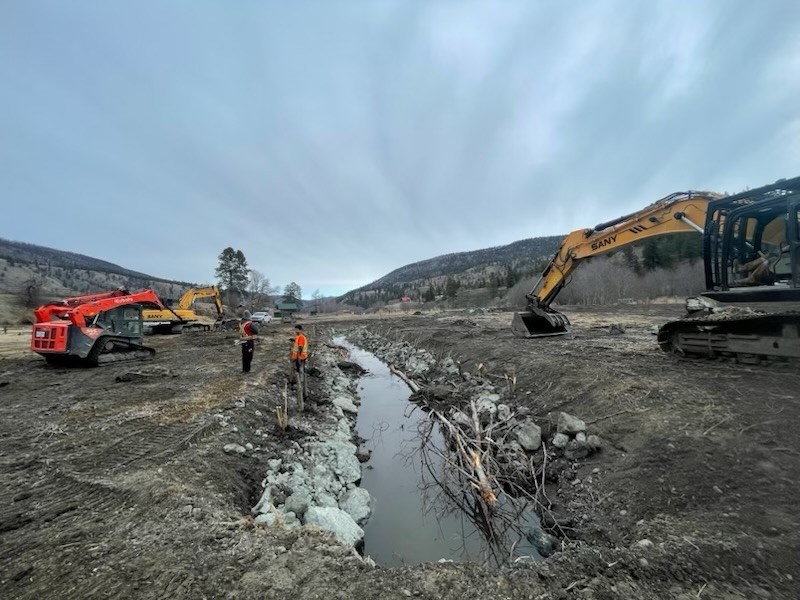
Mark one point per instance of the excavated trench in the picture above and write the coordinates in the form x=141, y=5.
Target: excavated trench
x=412, y=520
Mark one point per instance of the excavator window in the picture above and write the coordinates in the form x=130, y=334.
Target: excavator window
x=756, y=238
x=744, y=246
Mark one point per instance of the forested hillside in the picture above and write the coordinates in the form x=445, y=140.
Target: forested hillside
x=37, y=273
x=502, y=275
x=443, y=275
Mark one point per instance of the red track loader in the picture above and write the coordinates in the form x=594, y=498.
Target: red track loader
x=93, y=330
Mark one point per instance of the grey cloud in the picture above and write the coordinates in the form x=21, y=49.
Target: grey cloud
x=384, y=132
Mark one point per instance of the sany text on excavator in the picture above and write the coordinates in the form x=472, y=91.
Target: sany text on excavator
x=181, y=316
x=750, y=316
x=93, y=330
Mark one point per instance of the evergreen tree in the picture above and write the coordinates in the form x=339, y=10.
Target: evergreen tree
x=451, y=287
x=651, y=256
x=232, y=271
x=511, y=277
x=631, y=260
x=292, y=293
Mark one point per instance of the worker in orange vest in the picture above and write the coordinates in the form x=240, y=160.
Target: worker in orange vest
x=247, y=335
x=299, y=353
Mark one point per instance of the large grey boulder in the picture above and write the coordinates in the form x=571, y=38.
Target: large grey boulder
x=270, y=519
x=417, y=366
x=278, y=519
x=449, y=366
x=264, y=503
x=486, y=407
x=346, y=465
x=529, y=436
x=576, y=450
x=560, y=440
x=358, y=504
x=595, y=443
x=325, y=499
x=346, y=404
x=544, y=543
x=491, y=397
x=461, y=419
x=298, y=502
x=335, y=521
x=570, y=425
x=503, y=412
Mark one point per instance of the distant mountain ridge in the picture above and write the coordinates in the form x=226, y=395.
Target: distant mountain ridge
x=55, y=273
x=521, y=256
x=32, y=253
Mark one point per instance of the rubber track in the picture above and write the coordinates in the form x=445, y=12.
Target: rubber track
x=725, y=324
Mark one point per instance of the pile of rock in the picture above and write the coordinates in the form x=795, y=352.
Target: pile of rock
x=416, y=363
x=571, y=437
x=317, y=484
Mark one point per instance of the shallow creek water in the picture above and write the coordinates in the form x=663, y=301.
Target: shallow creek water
x=405, y=527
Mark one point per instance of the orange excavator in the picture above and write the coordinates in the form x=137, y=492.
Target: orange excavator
x=93, y=330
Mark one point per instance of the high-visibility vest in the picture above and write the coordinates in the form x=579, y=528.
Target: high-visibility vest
x=300, y=341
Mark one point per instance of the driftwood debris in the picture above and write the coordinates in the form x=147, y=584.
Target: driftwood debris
x=477, y=470
x=409, y=382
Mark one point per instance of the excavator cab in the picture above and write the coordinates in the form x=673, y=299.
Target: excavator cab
x=751, y=227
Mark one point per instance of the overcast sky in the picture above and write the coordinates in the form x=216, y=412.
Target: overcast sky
x=333, y=141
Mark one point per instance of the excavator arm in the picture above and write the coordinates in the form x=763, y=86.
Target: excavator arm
x=677, y=213
x=187, y=300
x=78, y=308
x=79, y=313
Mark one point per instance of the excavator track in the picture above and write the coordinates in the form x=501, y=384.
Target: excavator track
x=114, y=350
x=746, y=336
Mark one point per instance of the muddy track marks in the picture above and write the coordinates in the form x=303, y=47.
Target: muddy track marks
x=27, y=511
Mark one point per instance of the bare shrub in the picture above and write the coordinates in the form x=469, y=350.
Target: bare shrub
x=516, y=295
x=604, y=281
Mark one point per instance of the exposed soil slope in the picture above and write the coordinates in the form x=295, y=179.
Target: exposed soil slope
x=115, y=483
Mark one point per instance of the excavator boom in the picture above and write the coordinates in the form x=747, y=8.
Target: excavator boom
x=750, y=309
x=211, y=291
x=677, y=213
x=181, y=317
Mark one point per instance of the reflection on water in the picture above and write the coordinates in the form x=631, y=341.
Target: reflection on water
x=412, y=521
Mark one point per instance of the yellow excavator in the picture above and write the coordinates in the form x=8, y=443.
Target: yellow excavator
x=751, y=250
x=179, y=317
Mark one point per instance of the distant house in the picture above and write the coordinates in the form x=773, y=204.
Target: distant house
x=405, y=299
x=286, y=310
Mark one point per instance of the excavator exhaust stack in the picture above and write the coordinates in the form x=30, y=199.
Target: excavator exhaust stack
x=538, y=322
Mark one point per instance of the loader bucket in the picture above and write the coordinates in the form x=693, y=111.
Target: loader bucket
x=538, y=323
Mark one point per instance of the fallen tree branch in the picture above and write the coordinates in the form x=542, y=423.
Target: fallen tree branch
x=409, y=382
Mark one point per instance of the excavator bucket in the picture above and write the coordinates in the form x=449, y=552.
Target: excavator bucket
x=537, y=322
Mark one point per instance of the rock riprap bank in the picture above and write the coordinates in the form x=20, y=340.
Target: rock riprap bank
x=316, y=483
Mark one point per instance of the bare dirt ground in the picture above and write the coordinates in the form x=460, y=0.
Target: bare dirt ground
x=115, y=483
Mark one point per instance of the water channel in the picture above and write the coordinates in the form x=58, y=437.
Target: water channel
x=410, y=524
